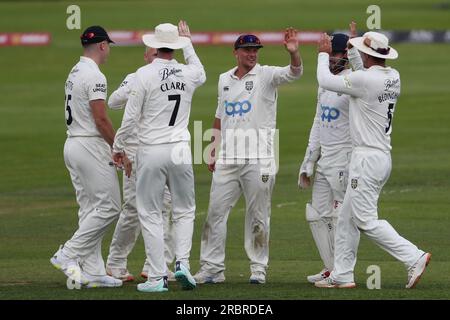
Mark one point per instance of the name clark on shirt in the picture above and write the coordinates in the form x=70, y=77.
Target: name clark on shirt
x=173, y=86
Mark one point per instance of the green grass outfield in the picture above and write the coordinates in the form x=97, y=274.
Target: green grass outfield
x=38, y=210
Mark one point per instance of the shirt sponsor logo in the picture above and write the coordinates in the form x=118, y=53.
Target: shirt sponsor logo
x=226, y=88
x=99, y=87
x=124, y=83
x=237, y=108
x=166, y=72
x=329, y=113
x=389, y=83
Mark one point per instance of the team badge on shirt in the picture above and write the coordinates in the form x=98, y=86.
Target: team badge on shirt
x=354, y=183
x=248, y=85
x=265, y=178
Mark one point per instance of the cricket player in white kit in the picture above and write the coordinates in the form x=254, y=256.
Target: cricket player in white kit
x=330, y=148
x=159, y=105
x=247, y=107
x=87, y=153
x=128, y=226
x=373, y=95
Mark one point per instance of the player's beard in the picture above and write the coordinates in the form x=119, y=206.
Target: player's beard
x=338, y=65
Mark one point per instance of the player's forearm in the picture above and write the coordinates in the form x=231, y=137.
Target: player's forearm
x=296, y=63
x=129, y=122
x=105, y=127
x=190, y=56
x=215, y=138
x=117, y=100
x=314, y=135
x=326, y=79
x=355, y=59
x=192, y=59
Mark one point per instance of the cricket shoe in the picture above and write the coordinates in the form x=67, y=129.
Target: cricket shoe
x=416, y=271
x=120, y=273
x=70, y=267
x=154, y=286
x=102, y=281
x=257, y=277
x=330, y=283
x=203, y=276
x=170, y=275
x=184, y=277
x=325, y=273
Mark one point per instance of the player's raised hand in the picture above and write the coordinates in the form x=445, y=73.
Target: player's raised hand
x=183, y=29
x=353, y=33
x=325, y=43
x=290, y=40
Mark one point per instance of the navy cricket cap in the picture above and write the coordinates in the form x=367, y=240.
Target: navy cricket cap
x=339, y=42
x=94, y=34
x=247, y=41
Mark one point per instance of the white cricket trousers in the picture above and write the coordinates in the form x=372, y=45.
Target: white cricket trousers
x=158, y=165
x=229, y=181
x=330, y=183
x=98, y=195
x=369, y=170
x=128, y=226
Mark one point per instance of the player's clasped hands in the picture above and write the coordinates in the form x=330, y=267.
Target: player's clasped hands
x=121, y=161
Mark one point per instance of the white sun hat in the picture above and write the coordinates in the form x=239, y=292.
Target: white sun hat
x=165, y=36
x=374, y=44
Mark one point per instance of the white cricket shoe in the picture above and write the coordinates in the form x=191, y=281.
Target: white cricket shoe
x=203, y=276
x=330, y=283
x=154, y=286
x=325, y=273
x=102, y=281
x=70, y=267
x=416, y=271
x=258, y=277
x=184, y=277
x=120, y=273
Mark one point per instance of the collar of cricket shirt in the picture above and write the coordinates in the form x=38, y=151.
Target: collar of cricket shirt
x=165, y=61
x=89, y=61
x=253, y=71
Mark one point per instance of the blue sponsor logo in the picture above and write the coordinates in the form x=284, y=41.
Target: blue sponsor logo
x=239, y=108
x=329, y=113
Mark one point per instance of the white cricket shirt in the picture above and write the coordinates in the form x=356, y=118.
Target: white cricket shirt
x=330, y=128
x=160, y=101
x=247, y=109
x=85, y=83
x=118, y=100
x=373, y=95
